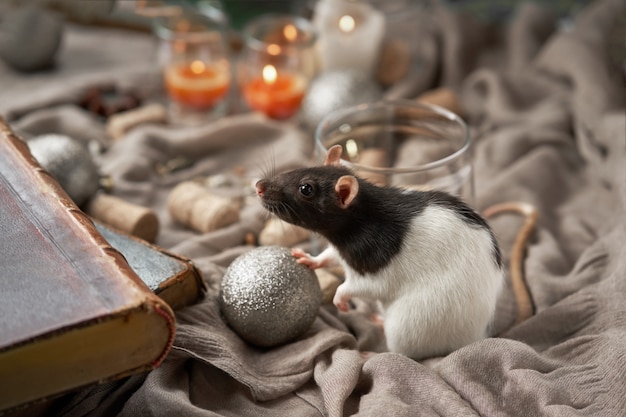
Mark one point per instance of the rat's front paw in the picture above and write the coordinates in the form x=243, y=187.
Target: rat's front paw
x=306, y=259
x=341, y=300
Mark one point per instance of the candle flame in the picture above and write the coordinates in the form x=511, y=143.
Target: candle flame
x=197, y=67
x=290, y=32
x=346, y=23
x=273, y=49
x=269, y=74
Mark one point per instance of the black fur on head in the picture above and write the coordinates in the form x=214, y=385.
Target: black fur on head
x=305, y=197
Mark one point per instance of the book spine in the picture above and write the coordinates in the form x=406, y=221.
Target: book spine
x=82, y=221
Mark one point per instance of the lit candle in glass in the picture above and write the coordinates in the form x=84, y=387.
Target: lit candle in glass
x=197, y=85
x=278, y=96
x=277, y=64
x=196, y=66
x=350, y=35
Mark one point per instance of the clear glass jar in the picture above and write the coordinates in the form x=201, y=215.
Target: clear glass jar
x=402, y=143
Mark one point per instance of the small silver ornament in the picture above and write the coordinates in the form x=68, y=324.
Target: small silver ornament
x=30, y=37
x=268, y=298
x=335, y=90
x=69, y=162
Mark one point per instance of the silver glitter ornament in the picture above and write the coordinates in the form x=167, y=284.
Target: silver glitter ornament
x=69, y=162
x=30, y=37
x=335, y=90
x=268, y=298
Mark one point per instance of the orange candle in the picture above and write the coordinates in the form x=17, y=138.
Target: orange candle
x=277, y=95
x=196, y=84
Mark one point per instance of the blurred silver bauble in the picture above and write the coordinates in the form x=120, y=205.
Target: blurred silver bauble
x=268, y=298
x=335, y=90
x=69, y=162
x=30, y=37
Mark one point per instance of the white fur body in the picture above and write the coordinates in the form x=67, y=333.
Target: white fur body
x=439, y=292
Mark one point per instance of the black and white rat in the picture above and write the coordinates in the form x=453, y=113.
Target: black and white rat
x=431, y=261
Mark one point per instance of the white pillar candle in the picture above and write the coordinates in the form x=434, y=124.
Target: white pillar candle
x=350, y=35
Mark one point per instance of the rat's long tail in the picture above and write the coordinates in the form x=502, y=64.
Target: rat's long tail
x=525, y=307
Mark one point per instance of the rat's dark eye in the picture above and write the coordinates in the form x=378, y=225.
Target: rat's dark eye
x=306, y=189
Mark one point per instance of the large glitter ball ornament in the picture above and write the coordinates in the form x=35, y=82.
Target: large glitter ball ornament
x=268, y=298
x=334, y=90
x=69, y=162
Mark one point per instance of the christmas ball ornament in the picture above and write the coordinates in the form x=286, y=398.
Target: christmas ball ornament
x=335, y=90
x=30, y=38
x=268, y=298
x=69, y=162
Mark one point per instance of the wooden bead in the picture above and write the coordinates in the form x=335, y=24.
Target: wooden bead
x=194, y=206
x=120, y=123
x=125, y=216
x=328, y=284
x=280, y=233
x=395, y=61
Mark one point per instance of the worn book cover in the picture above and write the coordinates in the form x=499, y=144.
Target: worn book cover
x=172, y=277
x=72, y=310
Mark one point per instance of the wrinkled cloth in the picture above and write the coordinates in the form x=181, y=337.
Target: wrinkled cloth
x=546, y=108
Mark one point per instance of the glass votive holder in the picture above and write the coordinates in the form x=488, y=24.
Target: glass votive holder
x=402, y=143
x=276, y=64
x=194, y=57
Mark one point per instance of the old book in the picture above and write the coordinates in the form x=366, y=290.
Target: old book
x=72, y=311
x=172, y=277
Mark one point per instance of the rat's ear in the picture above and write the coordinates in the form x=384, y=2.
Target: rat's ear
x=334, y=155
x=347, y=187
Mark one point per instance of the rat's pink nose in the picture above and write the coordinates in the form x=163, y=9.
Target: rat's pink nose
x=260, y=188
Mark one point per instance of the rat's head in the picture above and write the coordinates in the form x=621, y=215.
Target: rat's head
x=315, y=198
